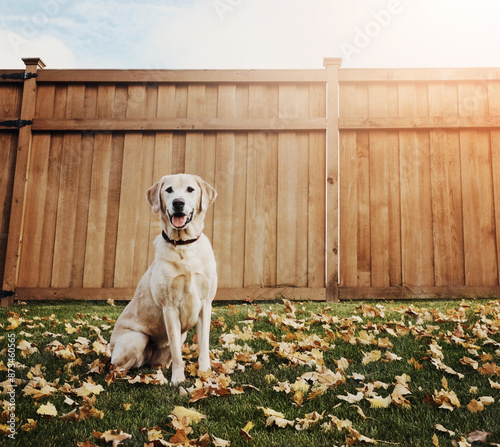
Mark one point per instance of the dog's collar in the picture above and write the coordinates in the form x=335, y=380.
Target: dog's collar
x=180, y=241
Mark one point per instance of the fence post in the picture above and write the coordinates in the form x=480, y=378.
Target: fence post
x=332, y=66
x=14, y=242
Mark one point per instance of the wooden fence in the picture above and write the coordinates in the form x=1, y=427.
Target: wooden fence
x=420, y=183
x=387, y=189
x=80, y=226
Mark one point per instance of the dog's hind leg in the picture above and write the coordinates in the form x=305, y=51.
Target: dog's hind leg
x=129, y=351
x=161, y=356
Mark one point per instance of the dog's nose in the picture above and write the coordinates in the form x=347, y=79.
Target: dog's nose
x=178, y=204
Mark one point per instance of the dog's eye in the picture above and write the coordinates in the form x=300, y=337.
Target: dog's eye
x=189, y=189
x=169, y=190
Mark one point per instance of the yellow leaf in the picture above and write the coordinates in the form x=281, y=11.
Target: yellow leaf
x=435, y=440
x=47, y=410
x=154, y=434
x=190, y=415
x=342, y=364
x=444, y=382
x=372, y=356
x=5, y=429
x=379, y=402
x=248, y=427
x=89, y=388
x=300, y=385
x=14, y=321
x=127, y=406
x=270, y=412
x=270, y=378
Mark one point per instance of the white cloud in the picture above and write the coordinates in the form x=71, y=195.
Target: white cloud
x=246, y=34
x=250, y=34
x=53, y=52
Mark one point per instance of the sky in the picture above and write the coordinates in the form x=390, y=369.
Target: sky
x=250, y=34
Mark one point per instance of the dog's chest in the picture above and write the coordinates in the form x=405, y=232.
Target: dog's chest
x=184, y=278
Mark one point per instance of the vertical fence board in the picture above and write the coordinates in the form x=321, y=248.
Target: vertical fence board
x=348, y=257
x=82, y=210
x=479, y=221
x=446, y=189
x=98, y=207
x=162, y=166
x=416, y=210
x=130, y=208
x=35, y=213
x=316, y=211
x=261, y=210
x=51, y=211
x=66, y=212
x=105, y=101
x=8, y=146
x=495, y=159
x=113, y=209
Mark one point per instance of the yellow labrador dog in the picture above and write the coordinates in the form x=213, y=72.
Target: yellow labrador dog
x=176, y=292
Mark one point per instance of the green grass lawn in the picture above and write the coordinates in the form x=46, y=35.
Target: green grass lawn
x=284, y=374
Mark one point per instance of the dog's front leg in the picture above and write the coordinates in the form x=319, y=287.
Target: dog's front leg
x=173, y=325
x=203, y=333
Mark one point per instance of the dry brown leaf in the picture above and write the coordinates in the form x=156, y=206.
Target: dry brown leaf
x=440, y=428
x=114, y=436
x=477, y=436
x=29, y=426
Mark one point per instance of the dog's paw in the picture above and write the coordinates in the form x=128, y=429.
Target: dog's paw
x=178, y=376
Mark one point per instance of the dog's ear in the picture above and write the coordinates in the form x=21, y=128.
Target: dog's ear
x=207, y=196
x=154, y=196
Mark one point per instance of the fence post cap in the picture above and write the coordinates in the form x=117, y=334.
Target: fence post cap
x=34, y=61
x=332, y=61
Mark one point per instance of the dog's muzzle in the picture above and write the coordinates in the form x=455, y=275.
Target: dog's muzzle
x=179, y=220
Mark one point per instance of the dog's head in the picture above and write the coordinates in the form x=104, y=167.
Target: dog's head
x=182, y=201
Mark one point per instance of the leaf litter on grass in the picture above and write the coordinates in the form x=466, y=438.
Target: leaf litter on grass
x=373, y=374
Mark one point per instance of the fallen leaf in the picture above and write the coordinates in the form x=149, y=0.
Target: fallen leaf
x=114, y=436
x=191, y=416
x=218, y=442
x=477, y=436
x=379, y=402
x=372, y=356
x=47, y=410
x=29, y=426
x=440, y=428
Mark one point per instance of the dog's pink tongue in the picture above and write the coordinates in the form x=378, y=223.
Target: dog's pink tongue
x=179, y=222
